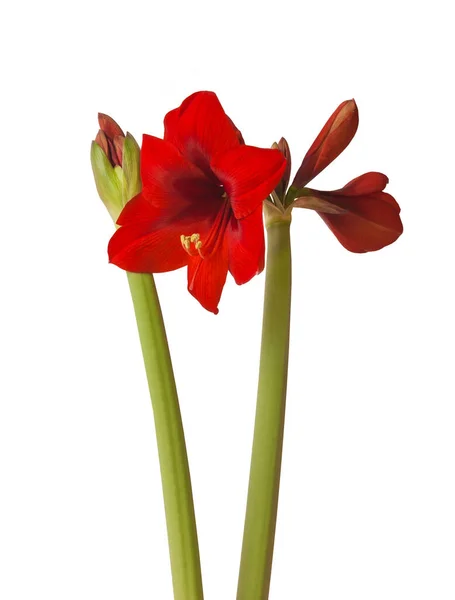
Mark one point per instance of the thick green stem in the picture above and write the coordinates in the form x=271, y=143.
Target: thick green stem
x=262, y=504
x=175, y=475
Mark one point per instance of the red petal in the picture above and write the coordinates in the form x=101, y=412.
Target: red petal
x=391, y=200
x=248, y=175
x=119, y=142
x=331, y=141
x=145, y=207
x=368, y=183
x=213, y=237
x=171, y=129
x=246, y=246
x=138, y=209
x=201, y=129
x=101, y=140
x=370, y=223
x=171, y=181
x=207, y=276
x=237, y=131
x=109, y=126
x=148, y=248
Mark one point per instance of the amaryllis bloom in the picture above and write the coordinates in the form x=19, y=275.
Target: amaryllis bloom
x=361, y=215
x=201, y=202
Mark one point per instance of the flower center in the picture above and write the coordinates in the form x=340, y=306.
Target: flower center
x=193, y=243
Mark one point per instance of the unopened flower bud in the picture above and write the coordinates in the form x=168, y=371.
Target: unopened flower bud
x=115, y=164
x=281, y=188
x=331, y=141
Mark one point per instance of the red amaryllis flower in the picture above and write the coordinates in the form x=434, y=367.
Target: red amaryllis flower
x=361, y=215
x=201, y=202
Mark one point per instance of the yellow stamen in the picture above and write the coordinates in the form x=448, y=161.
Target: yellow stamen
x=195, y=239
x=185, y=239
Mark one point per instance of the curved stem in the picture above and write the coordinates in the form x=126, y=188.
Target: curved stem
x=262, y=504
x=175, y=474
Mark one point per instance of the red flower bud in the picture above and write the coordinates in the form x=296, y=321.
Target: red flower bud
x=281, y=188
x=111, y=139
x=332, y=140
x=115, y=164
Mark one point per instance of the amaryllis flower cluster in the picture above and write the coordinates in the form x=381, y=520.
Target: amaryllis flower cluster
x=196, y=198
x=203, y=190
x=201, y=202
x=361, y=215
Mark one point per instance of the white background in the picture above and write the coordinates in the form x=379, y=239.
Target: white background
x=367, y=497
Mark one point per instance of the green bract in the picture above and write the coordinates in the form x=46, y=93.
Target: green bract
x=117, y=184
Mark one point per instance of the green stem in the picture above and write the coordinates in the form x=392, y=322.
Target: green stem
x=262, y=504
x=175, y=474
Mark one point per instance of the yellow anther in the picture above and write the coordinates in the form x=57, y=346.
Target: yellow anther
x=187, y=240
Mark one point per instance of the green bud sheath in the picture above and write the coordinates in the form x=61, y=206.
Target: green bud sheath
x=107, y=181
x=131, y=166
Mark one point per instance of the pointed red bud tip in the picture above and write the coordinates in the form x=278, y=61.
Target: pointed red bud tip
x=109, y=126
x=284, y=147
x=115, y=162
x=101, y=140
x=334, y=137
x=110, y=138
x=281, y=188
